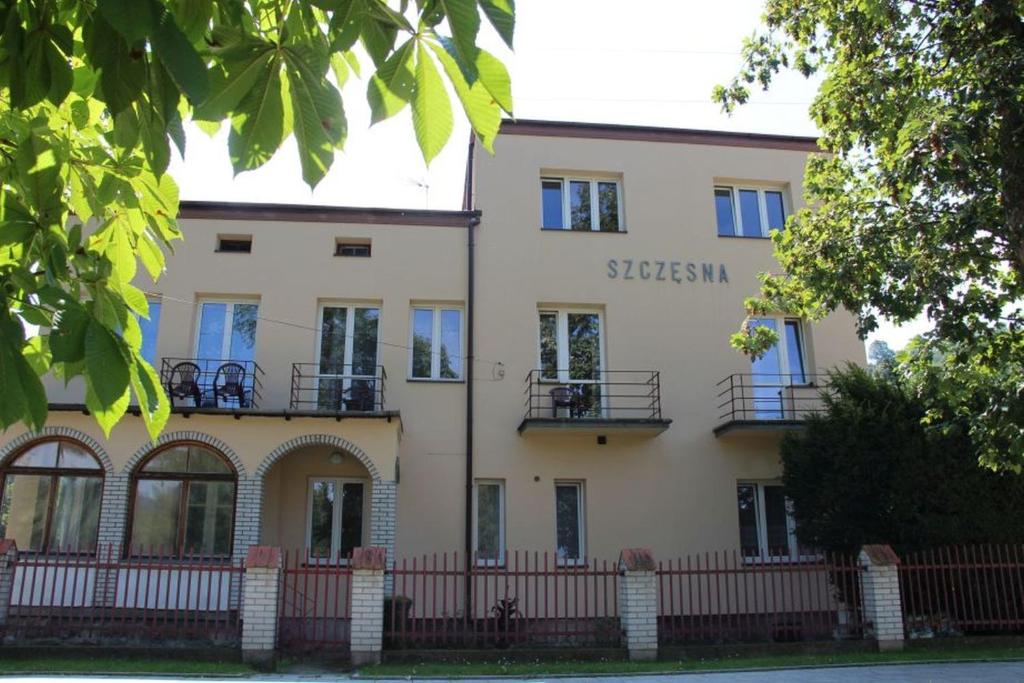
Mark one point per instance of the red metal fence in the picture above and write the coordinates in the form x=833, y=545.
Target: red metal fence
x=316, y=601
x=95, y=596
x=530, y=599
x=963, y=590
x=724, y=597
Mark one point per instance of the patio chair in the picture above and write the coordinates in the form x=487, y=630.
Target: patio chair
x=229, y=383
x=359, y=397
x=563, y=397
x=184, y=383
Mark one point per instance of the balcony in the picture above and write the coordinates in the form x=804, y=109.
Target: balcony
x=760, y=401
x=212, y=384
x=341, y=395
x=613, y=401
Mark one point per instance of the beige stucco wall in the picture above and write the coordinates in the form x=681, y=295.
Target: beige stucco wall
x=673, y=493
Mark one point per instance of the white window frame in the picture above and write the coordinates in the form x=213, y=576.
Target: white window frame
x=562, y=341
x=350, y=326
x=785, y=369
x=229, y=319
x=595, y=218
x=500, y=561
x=581, y=515
x=435, y=342
x=760, y=516
x=762, y=206
x=339, y=483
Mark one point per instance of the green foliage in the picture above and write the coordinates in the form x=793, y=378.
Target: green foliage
x=93, y=95
x=919, y=206
x=866, y=470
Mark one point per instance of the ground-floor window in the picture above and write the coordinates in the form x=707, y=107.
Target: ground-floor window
x=50, y=498
x=183, y=503
x=489, y=507
x=569, y=522
x=335, y=517
x=767, y=528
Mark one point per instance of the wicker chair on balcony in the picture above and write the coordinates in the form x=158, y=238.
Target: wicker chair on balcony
x=564, y=397
x=184, y=383
x=229, y=384
x=359, y=397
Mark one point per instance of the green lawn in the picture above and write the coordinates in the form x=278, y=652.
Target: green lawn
x=725, y=663
x=101, y=664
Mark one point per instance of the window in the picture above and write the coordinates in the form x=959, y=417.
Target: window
x=588, y=204
x=337, y=509
x=781, y=366
x=767, y=529
x=183, y=503
x=150, y=329
x=571, y=348
x=569, y=526
x=347, y=365
x=50, y=498
x=357, y=249
x=227, y=330
x=489, y=519
x=239, y=244
x=436, y=343
x=749, y=212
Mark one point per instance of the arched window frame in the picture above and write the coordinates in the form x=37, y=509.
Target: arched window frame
x=186, y=478
x=55, y=473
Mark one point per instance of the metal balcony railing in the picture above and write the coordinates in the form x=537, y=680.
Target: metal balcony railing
x=212, y=382
x=336, y=393
x=606, y=395
x=765, y=397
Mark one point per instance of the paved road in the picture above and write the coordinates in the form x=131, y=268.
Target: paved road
x=995, y=672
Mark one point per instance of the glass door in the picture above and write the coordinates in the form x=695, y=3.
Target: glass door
x=570, y=353
x=227, y=331
x=347, y=366
x=335, y=517
x=780, y=367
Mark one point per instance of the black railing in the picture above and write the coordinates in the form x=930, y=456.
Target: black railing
x=336, y=393
x=212, y=382
x=606, y=395
x=765, y=397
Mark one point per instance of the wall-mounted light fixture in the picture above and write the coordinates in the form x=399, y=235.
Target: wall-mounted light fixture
x=335, y=457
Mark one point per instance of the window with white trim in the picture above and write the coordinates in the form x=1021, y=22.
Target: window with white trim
x=436, y=343
x=227, y=329
x=585, y=204
x=489, y=521
x=347, y=357
x=570, y=526
x=571, y=351
x=767, y=527
x=336, y=513
x=749, y=211
x=783, y=365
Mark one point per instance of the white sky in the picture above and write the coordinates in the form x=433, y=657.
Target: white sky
x=575, y=60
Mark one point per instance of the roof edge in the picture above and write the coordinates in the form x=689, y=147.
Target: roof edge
x=313, y=213
x=610, y=131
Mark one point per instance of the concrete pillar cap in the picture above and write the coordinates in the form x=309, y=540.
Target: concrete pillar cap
x=636, y=560
x=7, y=545
x=369, y=558
x=263, y=557
x=878, y=555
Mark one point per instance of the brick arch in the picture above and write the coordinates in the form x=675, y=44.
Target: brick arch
x=318, y=440
x=67, y=432
x=199, y=437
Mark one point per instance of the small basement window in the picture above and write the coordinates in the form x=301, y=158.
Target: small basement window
x=236, y=244
x=351, y=248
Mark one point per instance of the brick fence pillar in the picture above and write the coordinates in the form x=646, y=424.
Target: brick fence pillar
x=638, y=603
x=8, y=555
x=881, y=586
x=367, y=605
x=261, y=591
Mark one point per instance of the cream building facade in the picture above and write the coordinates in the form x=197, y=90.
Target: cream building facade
x=547, y=369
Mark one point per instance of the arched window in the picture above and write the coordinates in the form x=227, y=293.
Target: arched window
x=183, y=502
x=50, y=497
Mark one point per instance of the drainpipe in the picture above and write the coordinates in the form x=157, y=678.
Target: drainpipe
x=470, y=298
